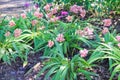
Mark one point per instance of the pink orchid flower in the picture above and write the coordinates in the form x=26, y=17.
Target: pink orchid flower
x=38, y=14
x=82, y=13
x=12, y=23
x=54, y=19
x=50, y=43
x=88, y=31
x=74, y=9
x=17, y=32
x=49, y=15
x=107, y=22
x=80, y=32
x=54, y=10
x=60, y=38
x=23, y=15
x=34, y=22
x=7, y=34
x=83, y=53
x=118, y=38
x=47, y=7
x=69, y=18
x=105, y=30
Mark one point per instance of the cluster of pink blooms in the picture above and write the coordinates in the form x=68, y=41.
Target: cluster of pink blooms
x=83, y=13
x=105, y=30
x=75, y=8
x=34, y=22
x=38, y=14
x=17, y=32
x=78, y=9
x=12, y=23
x=49, y=15
x=86, y=32
x=107, y=22
x=54, y=19
x=53, y=11
x=118, y=39
x=47, y=7
x=23, y=15
x=69, y=18
x=60, y=38
x=50, y=43
x=7, y=34
x=83, y=53
x=50, y=11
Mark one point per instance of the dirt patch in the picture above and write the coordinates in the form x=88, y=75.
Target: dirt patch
x=16, y=71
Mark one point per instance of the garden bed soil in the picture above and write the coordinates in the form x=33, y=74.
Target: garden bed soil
x=15, y=71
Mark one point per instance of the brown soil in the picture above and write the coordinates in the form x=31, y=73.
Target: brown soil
x=16, y=71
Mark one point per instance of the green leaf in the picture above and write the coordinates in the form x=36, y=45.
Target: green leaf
x=58, y=76
x=88, y=74
x=15, y=47
x=2, y=52
x=25, y=63
x=45, y=68
x=51, y=71
x=64, y=73
x=49, y=1
x=116, y=69
x=59, y=49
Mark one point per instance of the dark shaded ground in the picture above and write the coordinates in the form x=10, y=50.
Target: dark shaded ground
x=16, y=70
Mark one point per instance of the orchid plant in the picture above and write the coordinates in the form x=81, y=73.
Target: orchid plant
x=70, y=43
